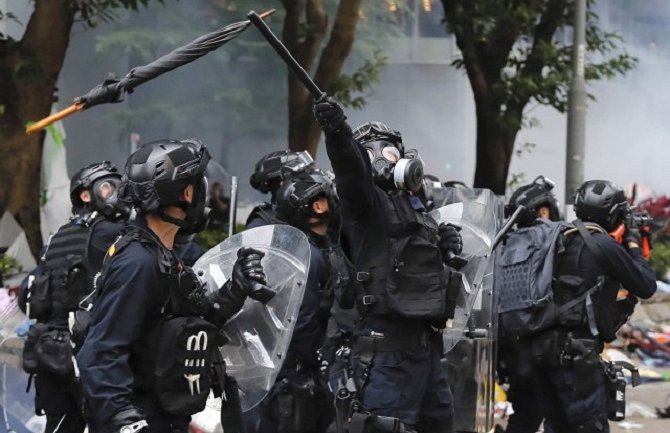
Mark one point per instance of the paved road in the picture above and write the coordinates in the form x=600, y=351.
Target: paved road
x=651, y=395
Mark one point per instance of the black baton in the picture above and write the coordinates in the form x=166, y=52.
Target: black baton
x=285, y=54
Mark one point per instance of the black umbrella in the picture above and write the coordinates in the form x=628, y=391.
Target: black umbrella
x=113, y=89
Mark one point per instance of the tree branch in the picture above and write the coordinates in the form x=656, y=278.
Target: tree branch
x=454, y=11
x=339, y=44
x=535, y=62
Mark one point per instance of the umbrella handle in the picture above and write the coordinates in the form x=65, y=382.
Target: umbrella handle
x=38, y=126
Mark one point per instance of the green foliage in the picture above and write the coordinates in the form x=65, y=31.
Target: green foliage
x=91, y=12
x=514, y=181
x=9, y=265
x=211, y=237
x=352, y=89
x=232, y=87
x=521, y=48
x=660, y=259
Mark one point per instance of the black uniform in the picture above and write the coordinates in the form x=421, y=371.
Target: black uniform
x=299, y=401
x=115, y=360
x=566, y=367
x=262, y=215
x=58, y=395
x=392, y=352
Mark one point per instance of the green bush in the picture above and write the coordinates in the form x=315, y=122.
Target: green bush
x=9, y=266
x=660, y=259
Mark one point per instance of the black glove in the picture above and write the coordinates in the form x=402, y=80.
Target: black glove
x=632, y=235
x=129, y=421
x=330, y=116
x=248, y=274
x=450, y=240
x=248, y=279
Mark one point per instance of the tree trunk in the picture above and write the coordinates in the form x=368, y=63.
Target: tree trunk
x=304, y=133
x=495, y=146
x=29, y=71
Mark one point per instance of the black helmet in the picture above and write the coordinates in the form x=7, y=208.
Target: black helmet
x=602, y=202
x=299, y=190
x=267, y=172
x=393, y=167
x=102, y=179
x=156, y=175
x=533, y=196
x=377, y=131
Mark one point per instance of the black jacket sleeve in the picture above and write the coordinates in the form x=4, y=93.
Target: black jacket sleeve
x=353, y=172
x=130, y=293
x=628, y=267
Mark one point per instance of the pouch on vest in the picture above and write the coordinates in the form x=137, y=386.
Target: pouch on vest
x=183, y=371
x=417, y=284
x=30, y=362
x=77, y=284
x=54, y=351
x=39, y=298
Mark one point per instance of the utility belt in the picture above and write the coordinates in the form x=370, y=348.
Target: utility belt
x=562, y=348
x=350, y=414
x=366, y=347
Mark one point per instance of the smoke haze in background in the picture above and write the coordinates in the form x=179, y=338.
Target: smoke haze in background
x=420, y=94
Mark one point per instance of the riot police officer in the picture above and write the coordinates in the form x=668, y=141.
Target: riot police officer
x=538, y=201
x=398, y=252
x=146, y=363
x=267, y=178
x=300, y=401
x=62, y=279
x=566, y=366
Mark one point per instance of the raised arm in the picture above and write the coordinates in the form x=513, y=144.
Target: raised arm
x=353, y=173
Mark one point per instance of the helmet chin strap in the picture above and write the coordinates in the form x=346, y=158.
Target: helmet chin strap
x=181, y=223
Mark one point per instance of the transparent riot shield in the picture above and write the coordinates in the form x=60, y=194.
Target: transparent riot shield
x=17, y=407
x=469, y=338
x=259, y=335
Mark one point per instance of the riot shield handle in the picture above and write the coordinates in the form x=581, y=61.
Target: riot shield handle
x=454, y=261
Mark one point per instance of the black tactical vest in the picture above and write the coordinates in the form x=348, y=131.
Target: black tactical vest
x=406, y=277
x=173, y=360
x=266, y=213
x=570, y=284
x=67, y=275
x=342, y=281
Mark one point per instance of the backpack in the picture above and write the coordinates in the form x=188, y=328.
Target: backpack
x=66, y=273
x=525, y=281
x=64, y=280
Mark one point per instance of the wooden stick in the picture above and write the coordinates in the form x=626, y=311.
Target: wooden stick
x=40, y=125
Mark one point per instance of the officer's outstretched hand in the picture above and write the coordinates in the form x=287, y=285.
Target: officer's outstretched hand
x=129, y=420
x=330, y=116
x=451, y=241
x=249, y=276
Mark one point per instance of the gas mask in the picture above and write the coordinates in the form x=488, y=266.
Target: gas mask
x=393, y=170
x=104, y=198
